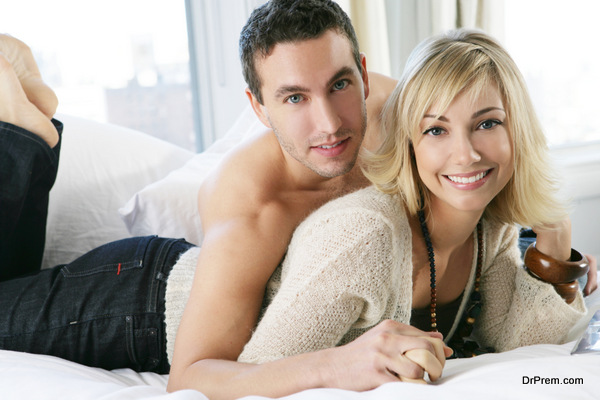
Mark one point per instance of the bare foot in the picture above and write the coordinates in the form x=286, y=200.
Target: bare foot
x=21, y=58
x=17, y=109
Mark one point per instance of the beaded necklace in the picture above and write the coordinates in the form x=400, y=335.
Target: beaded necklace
x=459, y=343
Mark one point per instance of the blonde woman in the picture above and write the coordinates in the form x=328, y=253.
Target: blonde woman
x=372, y=282
x=434, y=243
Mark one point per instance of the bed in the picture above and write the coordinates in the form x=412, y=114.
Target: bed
x=114, y=182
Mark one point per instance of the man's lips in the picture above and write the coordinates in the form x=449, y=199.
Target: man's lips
x=332, y=149
x=324, y=146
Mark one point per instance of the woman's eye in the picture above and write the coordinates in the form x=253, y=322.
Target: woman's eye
x=294, y=99
x=489, y=124
x=339, y=85
x=435, y=131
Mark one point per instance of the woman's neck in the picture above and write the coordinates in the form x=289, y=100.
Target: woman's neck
x=449, y=228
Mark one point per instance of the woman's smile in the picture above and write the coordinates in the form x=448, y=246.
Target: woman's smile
x=464, y=154
x=469, y=181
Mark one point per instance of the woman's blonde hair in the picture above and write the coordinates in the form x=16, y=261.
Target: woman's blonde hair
x=437, y=71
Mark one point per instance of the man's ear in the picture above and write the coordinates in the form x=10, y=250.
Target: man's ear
x=365, y=74
x=258, y=108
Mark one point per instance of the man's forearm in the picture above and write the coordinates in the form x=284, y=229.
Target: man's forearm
x=223, y=379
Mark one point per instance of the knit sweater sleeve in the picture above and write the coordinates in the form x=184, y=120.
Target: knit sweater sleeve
x=336, y=275
x=519, y=310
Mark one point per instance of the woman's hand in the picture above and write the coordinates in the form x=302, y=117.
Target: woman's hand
x=389, y=352
x=592, y=276
x=555, y=240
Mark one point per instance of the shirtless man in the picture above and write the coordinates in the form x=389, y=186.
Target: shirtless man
x=311, y=92
x=314, y=92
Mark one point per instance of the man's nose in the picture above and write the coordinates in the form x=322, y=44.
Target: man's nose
x=326, y=117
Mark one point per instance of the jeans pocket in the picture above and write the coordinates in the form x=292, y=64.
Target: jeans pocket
x=78, y=270
x=143, y=343
x=115, y=257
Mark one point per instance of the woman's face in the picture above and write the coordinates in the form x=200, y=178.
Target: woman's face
x=464, y=156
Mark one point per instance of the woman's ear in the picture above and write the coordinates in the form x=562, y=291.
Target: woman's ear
x=259, y=109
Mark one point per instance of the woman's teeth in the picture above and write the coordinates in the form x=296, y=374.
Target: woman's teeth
x=471, y=179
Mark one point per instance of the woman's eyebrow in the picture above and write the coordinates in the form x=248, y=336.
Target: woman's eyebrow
x=475, y=115
x=441, y=117
x=486, y=110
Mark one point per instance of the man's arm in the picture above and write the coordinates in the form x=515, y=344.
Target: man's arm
x=245, y=239
x=246, y=233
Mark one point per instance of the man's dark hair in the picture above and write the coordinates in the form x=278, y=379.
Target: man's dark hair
x=286, y=21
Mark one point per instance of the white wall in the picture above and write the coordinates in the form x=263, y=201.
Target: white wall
x=579, y=167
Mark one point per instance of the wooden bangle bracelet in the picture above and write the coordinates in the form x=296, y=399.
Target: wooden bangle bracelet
x=552, y=270
x=568, y=291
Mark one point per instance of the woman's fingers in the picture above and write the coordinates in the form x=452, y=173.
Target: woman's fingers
x=592, y=276
x=409, y=380
x=411, y=352
x=427, y=361
x=433, y=341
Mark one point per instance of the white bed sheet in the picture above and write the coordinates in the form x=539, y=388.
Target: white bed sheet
x=493, y=376
x=490, y=376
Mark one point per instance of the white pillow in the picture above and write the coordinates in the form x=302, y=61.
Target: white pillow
x=100, y=168
x=169, y=206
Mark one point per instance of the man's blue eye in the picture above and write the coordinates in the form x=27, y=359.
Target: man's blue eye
x=294, y=99
x=339, y=85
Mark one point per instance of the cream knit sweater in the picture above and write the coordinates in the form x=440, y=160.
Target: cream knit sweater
x=349, y=266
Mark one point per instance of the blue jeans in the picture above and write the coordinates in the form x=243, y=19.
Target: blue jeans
x=105, y=309
x=28, y=169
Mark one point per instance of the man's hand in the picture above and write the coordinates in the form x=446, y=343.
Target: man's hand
x=390, y=352
x=25, y=101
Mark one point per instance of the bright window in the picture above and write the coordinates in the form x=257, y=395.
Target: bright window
x=554, y=43
x=120, y=61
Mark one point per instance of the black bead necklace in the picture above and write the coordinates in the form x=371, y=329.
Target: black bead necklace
x=475, y=296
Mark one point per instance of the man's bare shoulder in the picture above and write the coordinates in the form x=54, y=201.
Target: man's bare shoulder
x=246, y=179
x=380, y=89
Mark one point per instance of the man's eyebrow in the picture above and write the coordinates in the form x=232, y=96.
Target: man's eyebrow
x=475, y=115
x=285, y=90
x=344, y=71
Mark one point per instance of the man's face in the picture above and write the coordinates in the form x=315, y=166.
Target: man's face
x=314, y=100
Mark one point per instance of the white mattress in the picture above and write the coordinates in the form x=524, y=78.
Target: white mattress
x=26, y=376
x=490, y=376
